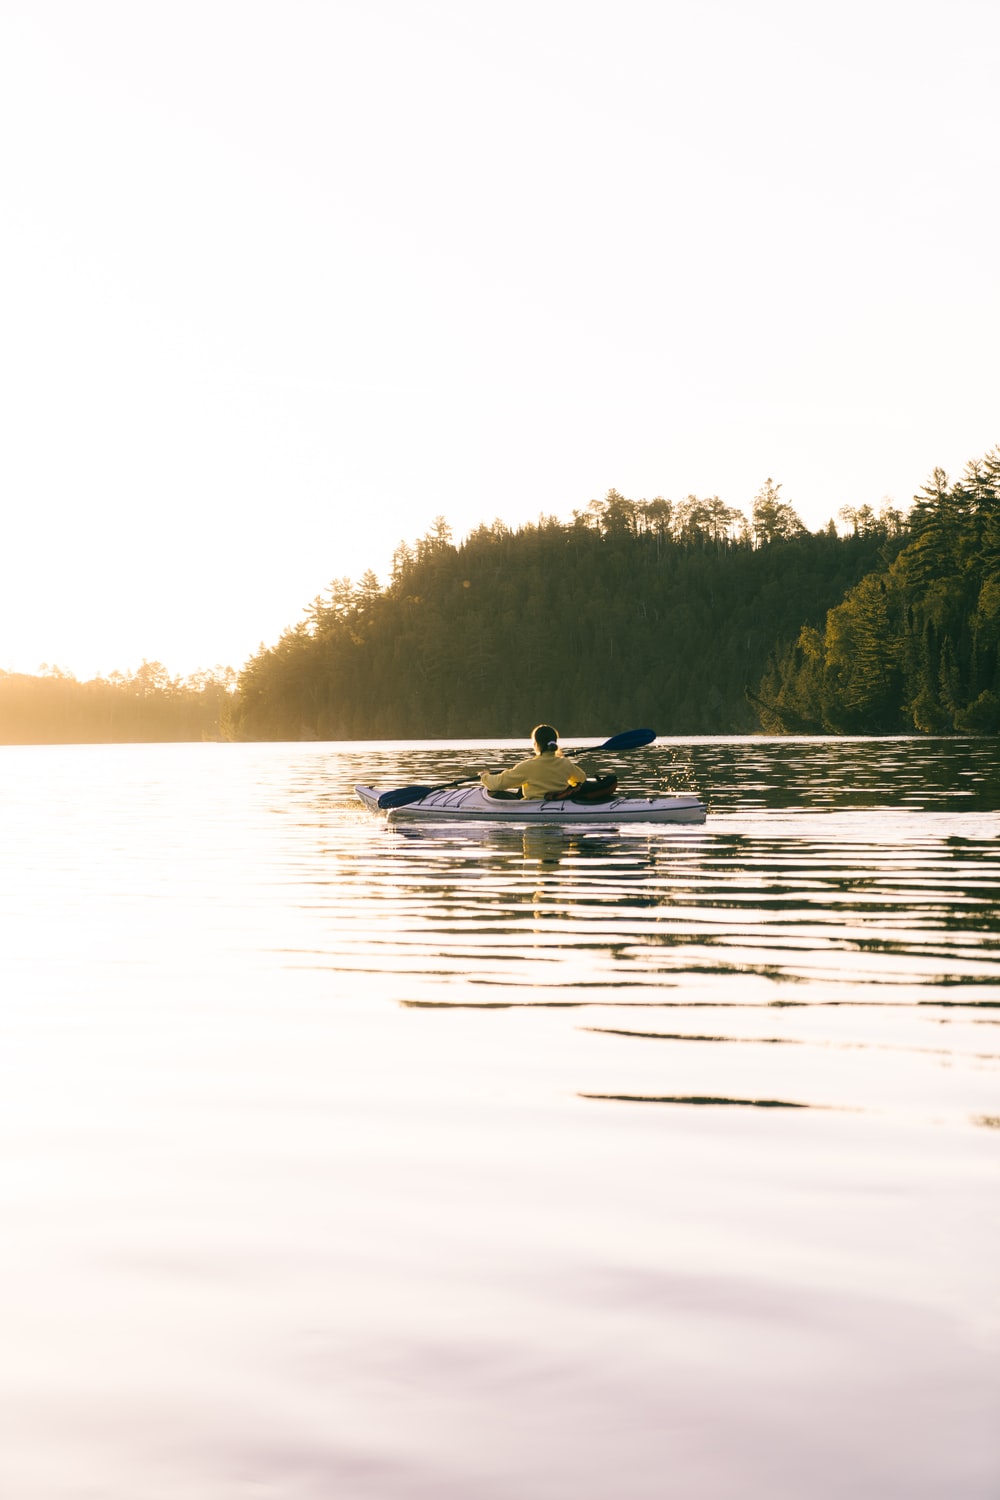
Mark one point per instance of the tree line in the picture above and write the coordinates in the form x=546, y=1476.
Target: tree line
x=915, y=643
x=143, y=706
x=633, y=612
x=689, y=616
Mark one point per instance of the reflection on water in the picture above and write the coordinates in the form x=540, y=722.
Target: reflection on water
x=336, y=1139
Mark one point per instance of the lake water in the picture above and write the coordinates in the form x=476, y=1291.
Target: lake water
x=341, y=1160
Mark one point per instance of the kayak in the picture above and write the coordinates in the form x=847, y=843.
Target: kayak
x=473, y=804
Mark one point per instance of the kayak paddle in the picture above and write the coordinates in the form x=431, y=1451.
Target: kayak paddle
x=629, y=739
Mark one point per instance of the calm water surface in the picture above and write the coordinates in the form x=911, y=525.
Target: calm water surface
x=341, y=1160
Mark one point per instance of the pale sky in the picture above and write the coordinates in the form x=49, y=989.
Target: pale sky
x=282, y=282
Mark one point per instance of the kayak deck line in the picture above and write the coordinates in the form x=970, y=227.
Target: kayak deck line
x=474, y=804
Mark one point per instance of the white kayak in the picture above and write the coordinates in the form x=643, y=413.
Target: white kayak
x=473, y=804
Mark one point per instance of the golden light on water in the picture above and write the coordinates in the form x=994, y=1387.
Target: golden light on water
x=333, y=1150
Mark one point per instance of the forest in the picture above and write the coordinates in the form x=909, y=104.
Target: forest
x=634, y=612
x=144, y=706
x=688, y=616
x=914, y=645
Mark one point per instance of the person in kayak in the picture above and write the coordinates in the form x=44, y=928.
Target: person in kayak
x=545, y=772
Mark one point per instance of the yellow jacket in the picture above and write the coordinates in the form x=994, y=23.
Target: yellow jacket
x=550, y=772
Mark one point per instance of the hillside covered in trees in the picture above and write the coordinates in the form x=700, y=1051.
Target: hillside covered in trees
x=634, y=612
x=915, y=644
x=687, y=616
x=148, y=705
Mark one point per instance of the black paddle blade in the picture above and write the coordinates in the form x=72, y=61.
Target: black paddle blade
x=629, y=739
x=402, y=795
